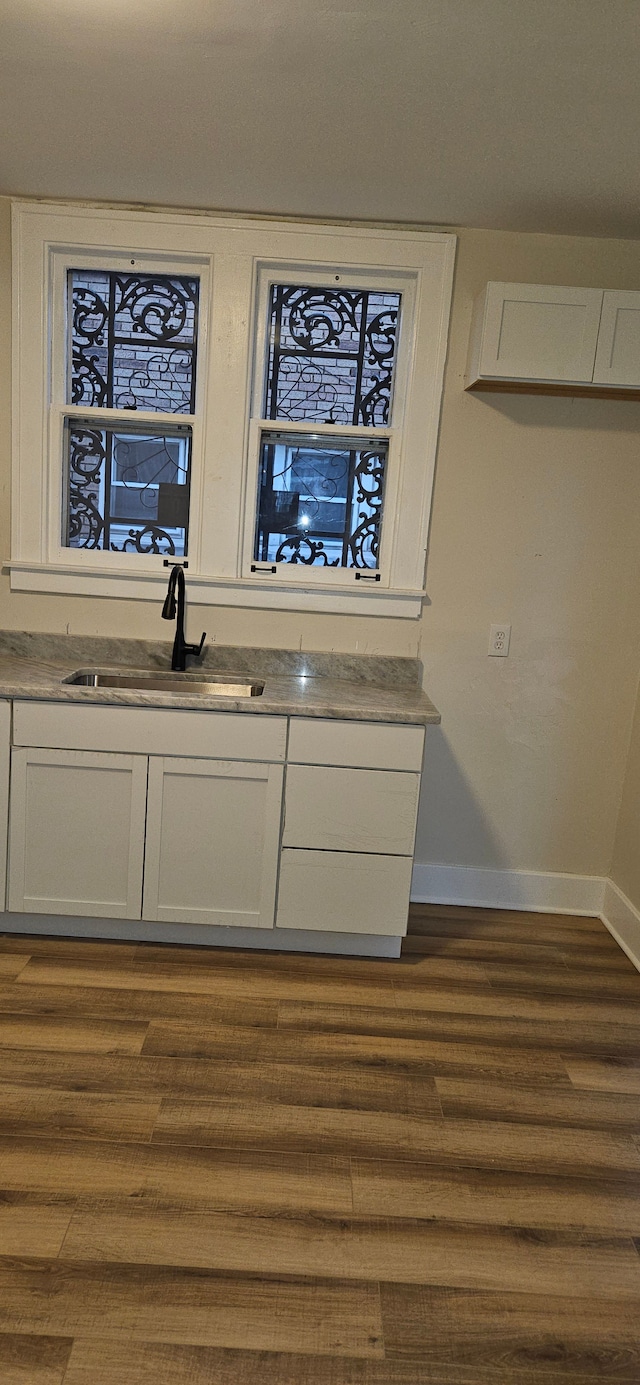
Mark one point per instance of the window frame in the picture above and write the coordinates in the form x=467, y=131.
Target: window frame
x=61, y=260
x=236, y=259
x=351, y=278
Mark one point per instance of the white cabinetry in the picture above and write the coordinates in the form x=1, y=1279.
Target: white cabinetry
x=77, y=833
x=344, y=892
x=349, y=827
x=557, y=340
x=5, y=761
x=351, y=809
x=86, y=824
x=618, y=349
x=213, y=829
x=177, y=817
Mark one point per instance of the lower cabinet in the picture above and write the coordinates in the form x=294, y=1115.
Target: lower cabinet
x=349, y=827
x=124, y=836
x=173, y=817
x=344, y=892
x=213, y=834
x=76, y=833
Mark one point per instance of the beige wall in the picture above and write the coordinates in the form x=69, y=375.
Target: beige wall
x=626, y=857
x=535, y=521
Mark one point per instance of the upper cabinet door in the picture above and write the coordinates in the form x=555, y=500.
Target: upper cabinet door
x=618, y=353
x=213, y=831
x=535, y=332
x=76, y=840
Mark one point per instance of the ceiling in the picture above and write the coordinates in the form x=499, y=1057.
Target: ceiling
x=518, y=114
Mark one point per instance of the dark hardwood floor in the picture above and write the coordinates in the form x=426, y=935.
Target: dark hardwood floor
x=226, y=1168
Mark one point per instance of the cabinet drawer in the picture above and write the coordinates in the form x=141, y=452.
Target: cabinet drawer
x=351, y=809
x=361, y=744
x=338, y=892
x=150, y=731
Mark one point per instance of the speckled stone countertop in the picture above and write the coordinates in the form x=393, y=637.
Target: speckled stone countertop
x=354, y=687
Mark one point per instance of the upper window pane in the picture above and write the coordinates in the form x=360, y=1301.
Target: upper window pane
x=132, y=341
x=331, y=354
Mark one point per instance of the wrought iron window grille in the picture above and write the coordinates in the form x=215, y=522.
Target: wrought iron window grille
x=331, y=355
x=127, y=490
x=133, y=340
x=132, y=346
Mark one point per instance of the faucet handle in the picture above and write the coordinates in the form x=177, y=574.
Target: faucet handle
x=196, y=649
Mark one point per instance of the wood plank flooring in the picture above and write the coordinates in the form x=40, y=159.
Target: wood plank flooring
x=218, y=1168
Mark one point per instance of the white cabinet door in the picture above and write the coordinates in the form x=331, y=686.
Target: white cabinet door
x=618, y=353
x=76, y=834
x=213, y=829
x=536, y=332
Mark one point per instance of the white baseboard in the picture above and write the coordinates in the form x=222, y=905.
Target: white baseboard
x=541, y=892
x=204, y=935
x=623, y=921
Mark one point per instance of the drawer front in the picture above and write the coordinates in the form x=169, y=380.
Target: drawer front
x=361, y=744
x=335, y=892
x=150, y=731
x=351, y=809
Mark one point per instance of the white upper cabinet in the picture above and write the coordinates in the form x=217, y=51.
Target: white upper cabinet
x=618, y=350
x=550, y=339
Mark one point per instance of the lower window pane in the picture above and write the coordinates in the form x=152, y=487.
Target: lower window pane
x=320, y=500
x=127, y=490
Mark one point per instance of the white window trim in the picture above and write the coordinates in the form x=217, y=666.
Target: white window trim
x=235, y=258
x=60, y=260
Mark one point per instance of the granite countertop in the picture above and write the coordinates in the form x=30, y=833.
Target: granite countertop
x=348, y=686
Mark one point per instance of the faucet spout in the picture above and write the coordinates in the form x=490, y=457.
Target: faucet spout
x=180, y=647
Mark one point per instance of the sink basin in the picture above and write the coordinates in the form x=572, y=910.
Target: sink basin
x=185, y=684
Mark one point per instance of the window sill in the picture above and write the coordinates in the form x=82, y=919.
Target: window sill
x=58, y=579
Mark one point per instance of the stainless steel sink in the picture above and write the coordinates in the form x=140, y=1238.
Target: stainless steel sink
x=184, y=684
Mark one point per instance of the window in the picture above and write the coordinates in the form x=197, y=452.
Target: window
x=257, y=398
x=330, y=359
x=131, y=346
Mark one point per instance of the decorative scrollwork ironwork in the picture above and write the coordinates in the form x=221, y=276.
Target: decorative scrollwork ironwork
x=332, y=354
x=155, y=307
x=148, y=540
x=320, y=501
x=364, y=542
x=168, y=376
x=133, y=340
x=319, y=318
x=302, y=549
x=86, y=524
x=86, y=461
x=115, y=479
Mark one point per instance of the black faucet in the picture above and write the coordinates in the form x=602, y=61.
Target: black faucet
x=180, y=646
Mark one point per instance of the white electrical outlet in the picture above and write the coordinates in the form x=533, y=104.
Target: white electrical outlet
x=499, y=640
